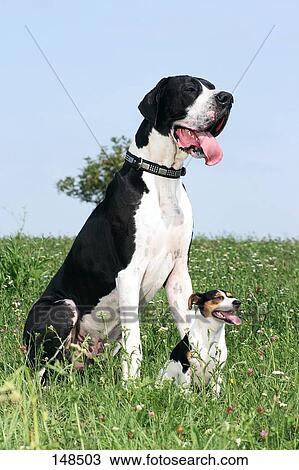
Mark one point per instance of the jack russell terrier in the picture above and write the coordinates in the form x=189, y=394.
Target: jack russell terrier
x=202, y=353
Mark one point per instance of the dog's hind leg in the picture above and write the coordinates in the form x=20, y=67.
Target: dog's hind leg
x=49, y=330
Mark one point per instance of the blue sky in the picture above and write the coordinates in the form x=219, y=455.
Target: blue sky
x=109, y=54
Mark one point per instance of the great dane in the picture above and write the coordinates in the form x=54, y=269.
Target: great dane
x=137, y=239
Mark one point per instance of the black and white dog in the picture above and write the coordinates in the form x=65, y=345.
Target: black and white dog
x=137, y=239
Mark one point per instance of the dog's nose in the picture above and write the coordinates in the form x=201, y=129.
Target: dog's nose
x=224, y=98
x=236, y=303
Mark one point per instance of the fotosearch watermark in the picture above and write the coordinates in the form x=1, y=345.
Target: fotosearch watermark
x=208, y=460
x=61, y=312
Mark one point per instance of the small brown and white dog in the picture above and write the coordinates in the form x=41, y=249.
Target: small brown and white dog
x=202, y=353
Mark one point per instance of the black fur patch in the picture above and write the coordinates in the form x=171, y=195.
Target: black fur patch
x=210, y=295
x=142, y=135
x=180, y=352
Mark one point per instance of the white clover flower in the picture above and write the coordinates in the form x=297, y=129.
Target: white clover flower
x=139, y=407
x=163, y=328
x=209, y=431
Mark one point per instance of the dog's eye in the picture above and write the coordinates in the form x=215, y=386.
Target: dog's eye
x=219, y=297
x=190, y=89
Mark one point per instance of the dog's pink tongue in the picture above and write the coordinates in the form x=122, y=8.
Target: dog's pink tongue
x=232, y=318
x=209, y=145
x=211, y=148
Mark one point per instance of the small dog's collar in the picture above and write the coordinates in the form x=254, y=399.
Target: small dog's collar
x=154, y=168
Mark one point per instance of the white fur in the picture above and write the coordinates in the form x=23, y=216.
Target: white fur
x=174, y=370
x=207, y=337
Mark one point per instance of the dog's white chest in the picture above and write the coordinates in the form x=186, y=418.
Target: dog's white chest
x=163, y=231
x=164, y=216
x=210, y=352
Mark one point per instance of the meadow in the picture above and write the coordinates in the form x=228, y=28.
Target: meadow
x=258, y=407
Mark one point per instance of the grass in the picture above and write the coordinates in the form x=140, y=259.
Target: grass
x=260, y=391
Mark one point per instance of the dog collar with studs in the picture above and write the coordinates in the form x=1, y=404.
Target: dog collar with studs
x=151, y=167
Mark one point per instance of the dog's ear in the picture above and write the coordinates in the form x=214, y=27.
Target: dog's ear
x=149, y=106
x=195, y=299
